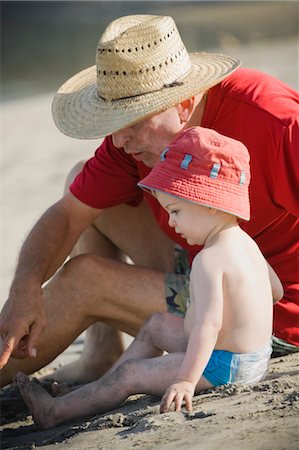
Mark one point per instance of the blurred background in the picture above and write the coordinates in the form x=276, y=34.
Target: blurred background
x=44, y=43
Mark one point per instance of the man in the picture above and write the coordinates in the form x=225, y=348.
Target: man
x=144, y=90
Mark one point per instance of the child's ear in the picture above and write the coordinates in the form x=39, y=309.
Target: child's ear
x=212, y=211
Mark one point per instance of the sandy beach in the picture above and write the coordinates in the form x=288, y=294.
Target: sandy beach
x=260, y=417
x=35, y=160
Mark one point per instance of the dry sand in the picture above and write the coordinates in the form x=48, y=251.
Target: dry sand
x=35, y=159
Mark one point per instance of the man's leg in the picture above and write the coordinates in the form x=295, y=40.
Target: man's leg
x=90, y=288
x=119, y=232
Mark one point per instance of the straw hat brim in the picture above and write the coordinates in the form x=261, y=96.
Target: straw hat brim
x=79, y=112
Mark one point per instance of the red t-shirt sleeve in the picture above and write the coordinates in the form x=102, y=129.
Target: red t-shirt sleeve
x=108, y=178
x=287, y=173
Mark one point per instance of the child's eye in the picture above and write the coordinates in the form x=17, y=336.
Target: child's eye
x=175, y=211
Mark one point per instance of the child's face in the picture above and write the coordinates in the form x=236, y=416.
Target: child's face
x=193, y=222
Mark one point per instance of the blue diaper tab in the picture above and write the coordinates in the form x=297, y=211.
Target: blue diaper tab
x=226, y=367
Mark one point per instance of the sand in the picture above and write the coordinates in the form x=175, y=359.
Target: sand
x=35, y=160
x=259, y=417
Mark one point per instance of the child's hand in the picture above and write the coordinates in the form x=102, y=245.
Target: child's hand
x=177, y=392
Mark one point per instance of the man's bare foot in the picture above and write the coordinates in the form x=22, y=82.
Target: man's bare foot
x=39, y=402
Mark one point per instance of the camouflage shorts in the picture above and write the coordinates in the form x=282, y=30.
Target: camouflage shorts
x=177, y=284
x=281, y=347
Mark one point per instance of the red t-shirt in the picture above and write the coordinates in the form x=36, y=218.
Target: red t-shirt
x=263, y=113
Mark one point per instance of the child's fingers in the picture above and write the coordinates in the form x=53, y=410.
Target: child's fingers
x=178, y=401
x=188, y=402
x=166, y=401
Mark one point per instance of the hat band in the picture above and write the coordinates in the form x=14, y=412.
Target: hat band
x=168, y=85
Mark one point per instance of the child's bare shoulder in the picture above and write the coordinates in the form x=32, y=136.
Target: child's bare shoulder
x=207, y=259
x=225, y=254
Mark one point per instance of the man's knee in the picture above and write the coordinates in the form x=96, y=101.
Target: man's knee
x=80, y=268
x=82, y=283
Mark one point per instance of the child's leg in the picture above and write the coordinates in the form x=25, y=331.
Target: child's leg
x=147, y=376
x=160, y=332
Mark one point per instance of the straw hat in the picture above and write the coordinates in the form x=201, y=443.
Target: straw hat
x=204, y=167
x=142, y=67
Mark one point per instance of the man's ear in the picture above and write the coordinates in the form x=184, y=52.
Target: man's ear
x=185, y=109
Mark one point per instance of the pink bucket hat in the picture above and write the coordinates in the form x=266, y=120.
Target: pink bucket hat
x=207, y=168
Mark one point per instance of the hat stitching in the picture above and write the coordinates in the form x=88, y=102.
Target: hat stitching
x=242, y=177
x=215, y=170
x=163, y=154
x=186, y=161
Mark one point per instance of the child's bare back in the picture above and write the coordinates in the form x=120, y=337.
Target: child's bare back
x=235, y=263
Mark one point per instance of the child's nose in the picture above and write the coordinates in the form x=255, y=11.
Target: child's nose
x=171, y=221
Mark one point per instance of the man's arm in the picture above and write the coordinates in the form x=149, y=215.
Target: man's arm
x=45, y=249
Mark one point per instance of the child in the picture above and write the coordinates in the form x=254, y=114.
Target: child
x=202, y=182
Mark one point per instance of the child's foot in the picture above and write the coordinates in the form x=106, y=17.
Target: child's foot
x=39, y=402
x=59, y=389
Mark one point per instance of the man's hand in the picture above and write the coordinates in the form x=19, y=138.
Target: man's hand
x=177, y=392
x=22, y=321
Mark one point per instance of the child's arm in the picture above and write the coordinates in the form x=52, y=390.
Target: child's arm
x=201, y=344
x=208, y=301
x=277, y=289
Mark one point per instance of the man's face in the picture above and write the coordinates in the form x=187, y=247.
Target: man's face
x=146, y=140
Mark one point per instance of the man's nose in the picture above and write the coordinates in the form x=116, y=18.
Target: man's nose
x=119, y=138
